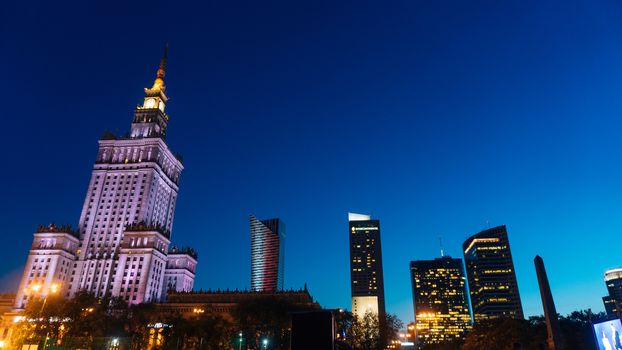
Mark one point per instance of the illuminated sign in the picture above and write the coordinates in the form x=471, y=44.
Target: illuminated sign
x=608, y=334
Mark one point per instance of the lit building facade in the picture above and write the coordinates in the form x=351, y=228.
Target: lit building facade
x=491, y=275
x=440, y=300
x=267, y=254
x=121, y=245
x=366, y=278
x=613, y=301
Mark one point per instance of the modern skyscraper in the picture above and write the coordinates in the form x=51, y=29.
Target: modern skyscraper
x=440, y=300
x=613, y=302
x=121, y=245
x=366, y=277
x=491, y=275
x=267, y=254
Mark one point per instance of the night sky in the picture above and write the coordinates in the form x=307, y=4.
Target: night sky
x=439, y=118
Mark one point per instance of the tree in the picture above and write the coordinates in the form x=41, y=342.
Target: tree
x=266, y=317
x=531, y=334
x=500, y=334
x=366, y=332
x=389, y=329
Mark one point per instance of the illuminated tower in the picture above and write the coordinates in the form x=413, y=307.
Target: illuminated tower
x=491, y=275
x=440, y=300
x=267, y=254
x=366, y=277
x=135, y=180
x=49, y=264
x=125, y=225
x=613, y=302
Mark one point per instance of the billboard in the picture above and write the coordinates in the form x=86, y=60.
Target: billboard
x=608, y=335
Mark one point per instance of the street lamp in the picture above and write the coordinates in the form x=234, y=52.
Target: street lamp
x=265, y=343
x=53, y=289
x=240, y=347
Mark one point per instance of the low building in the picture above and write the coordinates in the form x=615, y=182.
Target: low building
x=189, y=304
x=7, y=318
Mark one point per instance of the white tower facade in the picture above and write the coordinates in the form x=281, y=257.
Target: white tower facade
x=127, y=216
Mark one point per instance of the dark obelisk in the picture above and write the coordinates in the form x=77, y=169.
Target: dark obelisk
x=555, y=340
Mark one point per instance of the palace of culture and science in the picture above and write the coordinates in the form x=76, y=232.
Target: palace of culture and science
x=121, y=247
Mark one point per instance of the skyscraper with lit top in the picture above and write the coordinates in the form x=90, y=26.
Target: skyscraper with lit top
x=125, y=226
x=440, y=300
x=491, y=274
x=366, y=277
x=613, y=301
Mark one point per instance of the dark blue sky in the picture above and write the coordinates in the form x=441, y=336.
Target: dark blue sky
x=436, y=117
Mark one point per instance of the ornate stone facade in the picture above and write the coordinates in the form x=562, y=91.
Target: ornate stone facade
x=121, y=246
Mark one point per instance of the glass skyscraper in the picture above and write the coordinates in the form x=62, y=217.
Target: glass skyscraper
x=366, y=265
x=491, y=275
x=267, y=254
x=440, y=300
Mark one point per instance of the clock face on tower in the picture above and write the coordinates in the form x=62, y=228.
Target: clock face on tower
x=150, y=103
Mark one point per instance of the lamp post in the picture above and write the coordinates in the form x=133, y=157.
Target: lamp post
x=52, y=290
x=240, y=347
x=265, y=343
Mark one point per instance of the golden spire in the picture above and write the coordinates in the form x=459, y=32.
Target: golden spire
x=158, y=84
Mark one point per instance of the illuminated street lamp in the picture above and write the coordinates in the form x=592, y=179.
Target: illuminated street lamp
x=240, y=348
x=265, y=343
x=34, y=289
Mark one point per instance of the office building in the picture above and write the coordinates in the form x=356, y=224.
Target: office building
x=613, y=301
x=267, y=254
x=491, y=275
x=440, y=300
x=366, y=277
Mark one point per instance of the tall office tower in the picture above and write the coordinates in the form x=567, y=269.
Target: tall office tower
x=366, y=277
x=440, y=300
x=127, y=216
x=267, y=254
x=613, y=301
x=491, y=275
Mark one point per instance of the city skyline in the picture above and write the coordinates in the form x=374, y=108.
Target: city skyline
x=522, y=133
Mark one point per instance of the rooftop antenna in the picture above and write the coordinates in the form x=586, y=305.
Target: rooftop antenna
x=440, y=242
x=487, y=223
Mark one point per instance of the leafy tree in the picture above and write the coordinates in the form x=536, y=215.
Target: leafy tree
x=531, y=334
x=207, y=331
x=368, y=332
x=365, y=332
x=266, y=317
x=389, y=329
